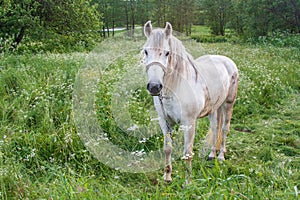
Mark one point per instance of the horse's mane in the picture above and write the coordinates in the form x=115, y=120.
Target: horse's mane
x=179, y=63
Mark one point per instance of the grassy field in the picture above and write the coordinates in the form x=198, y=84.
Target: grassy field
x=42, y=156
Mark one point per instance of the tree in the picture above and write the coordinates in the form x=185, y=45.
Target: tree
x=261, y=17
x=216, y=14
x=181, y=14
x=128, y=13
x=69, y=16
x=285, y=14
x=69, y=20
x=105, y=7
x=238, y=16
x=17, y=18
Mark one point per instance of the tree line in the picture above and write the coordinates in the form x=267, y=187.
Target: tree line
x=70, y=22
x=130, y=13
x=48, y=24
x=252, y=18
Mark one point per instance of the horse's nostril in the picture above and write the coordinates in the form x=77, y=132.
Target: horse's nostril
x=159, y=86
x=154, y=88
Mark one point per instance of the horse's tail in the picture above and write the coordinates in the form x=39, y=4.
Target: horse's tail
x=219, y=130
x=209, y=136
x=208, y=142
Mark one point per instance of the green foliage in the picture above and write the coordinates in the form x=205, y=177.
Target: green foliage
x=215, y=13
x=16, y=18
x=55, y=26
x=253, y=19
x=280, y=39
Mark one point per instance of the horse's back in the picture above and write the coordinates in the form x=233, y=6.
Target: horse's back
x=215, y=61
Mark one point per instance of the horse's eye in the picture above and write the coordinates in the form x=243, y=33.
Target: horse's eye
x=167, y=53
x=146, y=52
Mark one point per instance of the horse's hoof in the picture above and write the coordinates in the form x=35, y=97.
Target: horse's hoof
x=222, y=159
x=167, y=178
x=210, y=158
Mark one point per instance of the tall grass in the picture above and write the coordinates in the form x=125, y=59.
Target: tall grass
x=41, y=156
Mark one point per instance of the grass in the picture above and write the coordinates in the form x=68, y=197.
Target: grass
x=201, y=30
x=42, y=156
x=203, y=34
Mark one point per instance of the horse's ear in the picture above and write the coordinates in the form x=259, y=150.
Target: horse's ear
x=168, y=29
x=148, y=28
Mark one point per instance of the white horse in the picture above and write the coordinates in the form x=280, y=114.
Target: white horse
x=185, y=89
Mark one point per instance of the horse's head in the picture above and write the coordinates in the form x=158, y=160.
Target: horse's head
x=157, y=53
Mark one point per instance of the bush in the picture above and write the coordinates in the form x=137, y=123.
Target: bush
x=280, y=39
x=56, y=43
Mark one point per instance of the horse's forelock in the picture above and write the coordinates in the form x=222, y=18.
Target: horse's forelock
x=156, y=40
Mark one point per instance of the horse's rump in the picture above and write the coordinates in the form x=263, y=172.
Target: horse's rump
x=217, y=73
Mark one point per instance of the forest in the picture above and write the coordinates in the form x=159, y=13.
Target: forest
x=53, y=25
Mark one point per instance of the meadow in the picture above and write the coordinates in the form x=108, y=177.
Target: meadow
x=43, y=157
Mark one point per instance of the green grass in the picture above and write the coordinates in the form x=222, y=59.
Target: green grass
x=201, y=30
x=203, y=34
x=42, y=157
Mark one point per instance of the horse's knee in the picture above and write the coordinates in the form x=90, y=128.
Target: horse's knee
x=168, y=144
x=168, y=149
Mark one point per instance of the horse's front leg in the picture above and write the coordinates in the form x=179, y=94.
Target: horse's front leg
x=167, y=131
x=168, y=151
x=189, y=135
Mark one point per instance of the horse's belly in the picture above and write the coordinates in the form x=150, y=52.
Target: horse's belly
x=212, y=104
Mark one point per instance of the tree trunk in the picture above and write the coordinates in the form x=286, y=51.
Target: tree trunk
x=113, y=28
x=19, y=38
x=127, y=17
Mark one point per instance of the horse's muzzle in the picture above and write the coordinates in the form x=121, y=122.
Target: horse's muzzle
x=154, y=88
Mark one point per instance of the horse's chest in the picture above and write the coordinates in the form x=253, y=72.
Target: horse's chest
x=173, y=110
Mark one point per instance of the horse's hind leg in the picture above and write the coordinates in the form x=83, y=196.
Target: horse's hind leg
x=214, y=119
x=227, y=114
x=227, y=108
